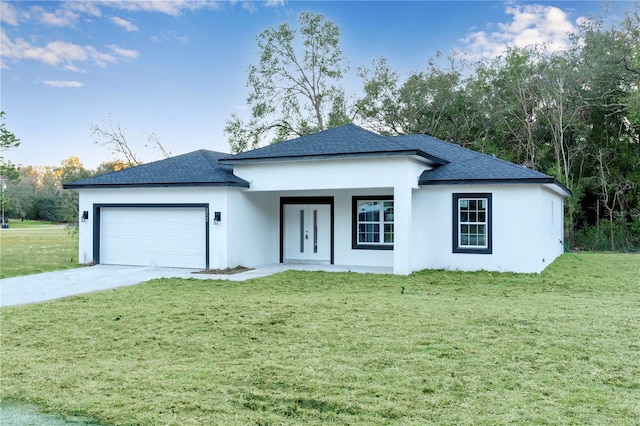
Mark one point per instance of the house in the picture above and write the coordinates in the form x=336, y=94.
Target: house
x=344, y=196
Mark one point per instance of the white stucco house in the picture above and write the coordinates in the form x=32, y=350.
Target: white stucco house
x=344, y=196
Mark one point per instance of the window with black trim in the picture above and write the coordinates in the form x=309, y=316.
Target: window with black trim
x=472, y=225
x=373, y=223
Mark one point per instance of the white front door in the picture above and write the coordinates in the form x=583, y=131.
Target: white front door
x=307, y=233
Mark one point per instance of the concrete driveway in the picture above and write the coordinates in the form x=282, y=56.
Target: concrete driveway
x=54, y=285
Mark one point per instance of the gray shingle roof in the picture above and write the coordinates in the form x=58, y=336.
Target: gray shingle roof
x=467, y=166
x=191, y=169
x=451, y=163
x=448, y=151
x=482, y=168
x=344, y=141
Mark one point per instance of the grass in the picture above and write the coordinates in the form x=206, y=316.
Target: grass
x=314, y=348
x=28, y=223
x=36, y=247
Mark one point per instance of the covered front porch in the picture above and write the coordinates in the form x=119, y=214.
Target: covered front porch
x=383, y=239
x=351, y=229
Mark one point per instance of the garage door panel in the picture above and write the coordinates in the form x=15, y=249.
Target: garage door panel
x=150, y=236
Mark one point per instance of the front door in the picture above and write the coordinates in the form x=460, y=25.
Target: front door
x=307, y=233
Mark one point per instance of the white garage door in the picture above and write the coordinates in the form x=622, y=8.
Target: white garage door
x=153, y=236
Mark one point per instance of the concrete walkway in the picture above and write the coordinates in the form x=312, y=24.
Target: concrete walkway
x=54, y=285
x=18, y=414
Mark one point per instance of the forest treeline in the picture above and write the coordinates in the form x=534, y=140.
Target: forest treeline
x=35, y=192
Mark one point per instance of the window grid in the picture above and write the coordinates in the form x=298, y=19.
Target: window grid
x=374, y=227
x=472, y=222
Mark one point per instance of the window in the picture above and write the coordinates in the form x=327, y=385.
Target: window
x=373, y=223
x=472, y=223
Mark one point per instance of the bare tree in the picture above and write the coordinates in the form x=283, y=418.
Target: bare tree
x=153, y=142
x=113, y=136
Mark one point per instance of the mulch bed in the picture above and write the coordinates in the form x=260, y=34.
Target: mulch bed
x=227, y=271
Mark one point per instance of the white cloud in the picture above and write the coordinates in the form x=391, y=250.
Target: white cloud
x=68, y=14
x=61, y=53
x=124, y=53
x=249, y=7
x=71, y=67
x=128, y=26
x=59, y=18
x=480, y=45
x=8, y=14
x=86, y=7
x=72, y=13
x=63, y=83
x=165, y=37
x=530, y=25
x=173, y=7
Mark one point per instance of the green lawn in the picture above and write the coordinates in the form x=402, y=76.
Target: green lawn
x=560, y=348
x=30, y=247
x=27, y=223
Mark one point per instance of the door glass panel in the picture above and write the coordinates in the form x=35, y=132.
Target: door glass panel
x=301, y=231
x=315, y=231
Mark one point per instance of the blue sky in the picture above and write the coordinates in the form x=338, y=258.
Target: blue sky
x=178, y=68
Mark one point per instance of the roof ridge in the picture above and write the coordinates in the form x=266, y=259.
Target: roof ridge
x=346, y=140
x=224, y=154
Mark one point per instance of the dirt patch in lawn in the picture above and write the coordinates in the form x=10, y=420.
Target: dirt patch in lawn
x=227, y=271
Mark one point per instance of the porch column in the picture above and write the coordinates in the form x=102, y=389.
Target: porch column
x=402, y=207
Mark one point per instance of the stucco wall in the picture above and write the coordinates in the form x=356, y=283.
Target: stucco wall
x=216, y=197
x=253, y=227
x=527, y=223
x=331, y=174
x=342, y=179
x=344, y=254
x=527, y=219
x=552, y=215
x=524, y=240
x=423, y=221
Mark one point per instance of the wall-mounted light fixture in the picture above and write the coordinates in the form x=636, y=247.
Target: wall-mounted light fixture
x=85, y=216
x=216, y=217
